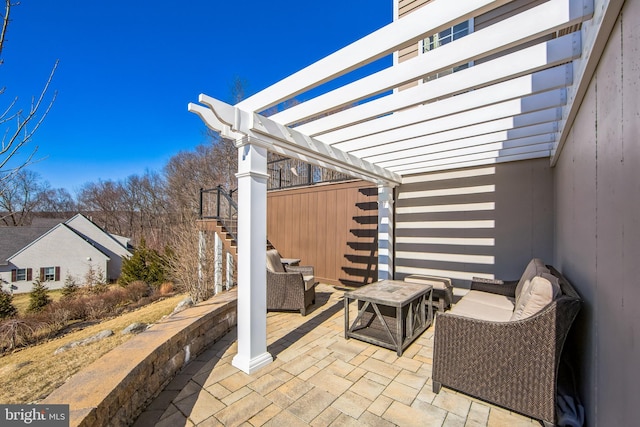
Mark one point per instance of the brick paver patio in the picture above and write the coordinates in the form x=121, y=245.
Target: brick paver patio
x=319, y=379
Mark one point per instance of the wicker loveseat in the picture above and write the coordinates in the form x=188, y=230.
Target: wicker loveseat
x=507, y=357
x=289, y=287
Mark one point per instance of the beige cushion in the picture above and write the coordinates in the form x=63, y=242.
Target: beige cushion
x=476, y=310
x=493, y=300
x=437, y=282
x=309, y=282
x=274, y=264
x=537, y=293
x=536, y=267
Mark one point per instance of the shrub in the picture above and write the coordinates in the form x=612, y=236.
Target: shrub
x=95, y=280
x=146, y=265
x=166, y=289
x=38, y=298
x=113, y=299
x=70, y=288
x=96, y=308
x=98, y=289
x=15, y=333
x=137, y=290
x=77, y=308
x=7, y=309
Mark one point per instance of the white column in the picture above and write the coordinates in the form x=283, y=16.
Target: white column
x=230, y=270
x=218, y=262
x=252, y=259
x=385, y=233
x=202, y=260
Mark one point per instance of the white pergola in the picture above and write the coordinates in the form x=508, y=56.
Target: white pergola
x=509, y=105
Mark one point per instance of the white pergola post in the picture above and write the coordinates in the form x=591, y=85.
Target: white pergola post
x=252, y=259
x=202, y=258
x=230, y=270
x=217, y=266
x=385, y=233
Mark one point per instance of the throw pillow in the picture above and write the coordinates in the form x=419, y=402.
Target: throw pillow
x=537, y=293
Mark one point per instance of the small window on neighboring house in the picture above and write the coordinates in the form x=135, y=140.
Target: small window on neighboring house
x=444, y=37
x=49, y=274
x=20, y=274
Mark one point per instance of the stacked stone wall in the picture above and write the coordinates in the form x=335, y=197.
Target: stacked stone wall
x=117, y=387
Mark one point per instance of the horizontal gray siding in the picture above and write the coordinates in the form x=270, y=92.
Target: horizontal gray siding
x=486, y=221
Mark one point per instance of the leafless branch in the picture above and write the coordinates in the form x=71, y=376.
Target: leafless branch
x=5, y=23
x=23, y=134
x=13, y=139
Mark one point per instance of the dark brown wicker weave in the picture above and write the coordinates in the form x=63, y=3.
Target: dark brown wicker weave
x=286, y=290
x=511, y=364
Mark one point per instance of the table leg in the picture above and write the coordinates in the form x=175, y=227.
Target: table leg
x=346, y=318
x=430, y=308
x=410, y=319
x=399, y=327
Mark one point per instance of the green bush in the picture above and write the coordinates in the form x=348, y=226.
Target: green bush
x=70, y=288
x=7, y=309
x=146, y=265
x=38, y=298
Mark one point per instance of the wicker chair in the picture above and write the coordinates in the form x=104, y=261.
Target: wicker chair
x=512, y=364
x=290, y=287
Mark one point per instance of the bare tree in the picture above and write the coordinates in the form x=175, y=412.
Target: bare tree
x=57, y=201
x=135, y=207
x=105, y=203
x=20, y=196
x=185, y=174
x=19, y=125
x=226, y=164
x=147, y=201
x=189, y=267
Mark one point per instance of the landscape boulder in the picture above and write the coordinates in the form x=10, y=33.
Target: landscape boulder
x=134, y=328
x=97, y=337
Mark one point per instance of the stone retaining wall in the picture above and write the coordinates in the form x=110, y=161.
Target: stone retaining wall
x=117, y=387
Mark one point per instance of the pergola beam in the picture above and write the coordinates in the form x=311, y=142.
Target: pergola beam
x=254, y=128
x=521, y=28
x=507, y=124
x=430, y=19
x=542, y=81
x=526, y=61
x=510, y=108
x=450, y=148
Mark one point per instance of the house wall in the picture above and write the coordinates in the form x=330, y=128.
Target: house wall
x=330, y=226
x=485, y=221
x=48, y=252
x=597, y=247
x=107, y=244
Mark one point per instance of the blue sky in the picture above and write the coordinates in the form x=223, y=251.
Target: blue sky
x=128, y=70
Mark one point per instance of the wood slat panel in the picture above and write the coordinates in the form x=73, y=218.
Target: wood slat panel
x=332, y=227
x=408, y=6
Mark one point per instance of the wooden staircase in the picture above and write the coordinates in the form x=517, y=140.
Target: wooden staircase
x=219, y=215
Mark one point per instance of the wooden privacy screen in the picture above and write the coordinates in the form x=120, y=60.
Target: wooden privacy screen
x=330, y=226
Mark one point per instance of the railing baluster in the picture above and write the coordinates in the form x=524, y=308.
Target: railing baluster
x=218, y=202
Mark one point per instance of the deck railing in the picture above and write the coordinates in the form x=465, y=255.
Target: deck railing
x=287, y=173
x=218, y=204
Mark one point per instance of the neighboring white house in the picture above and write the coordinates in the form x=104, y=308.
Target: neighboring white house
x=69, y=249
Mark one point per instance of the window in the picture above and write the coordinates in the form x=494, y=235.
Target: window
x=444, y=37
x=21, y=274
x=447, y=36
x=49, y=274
